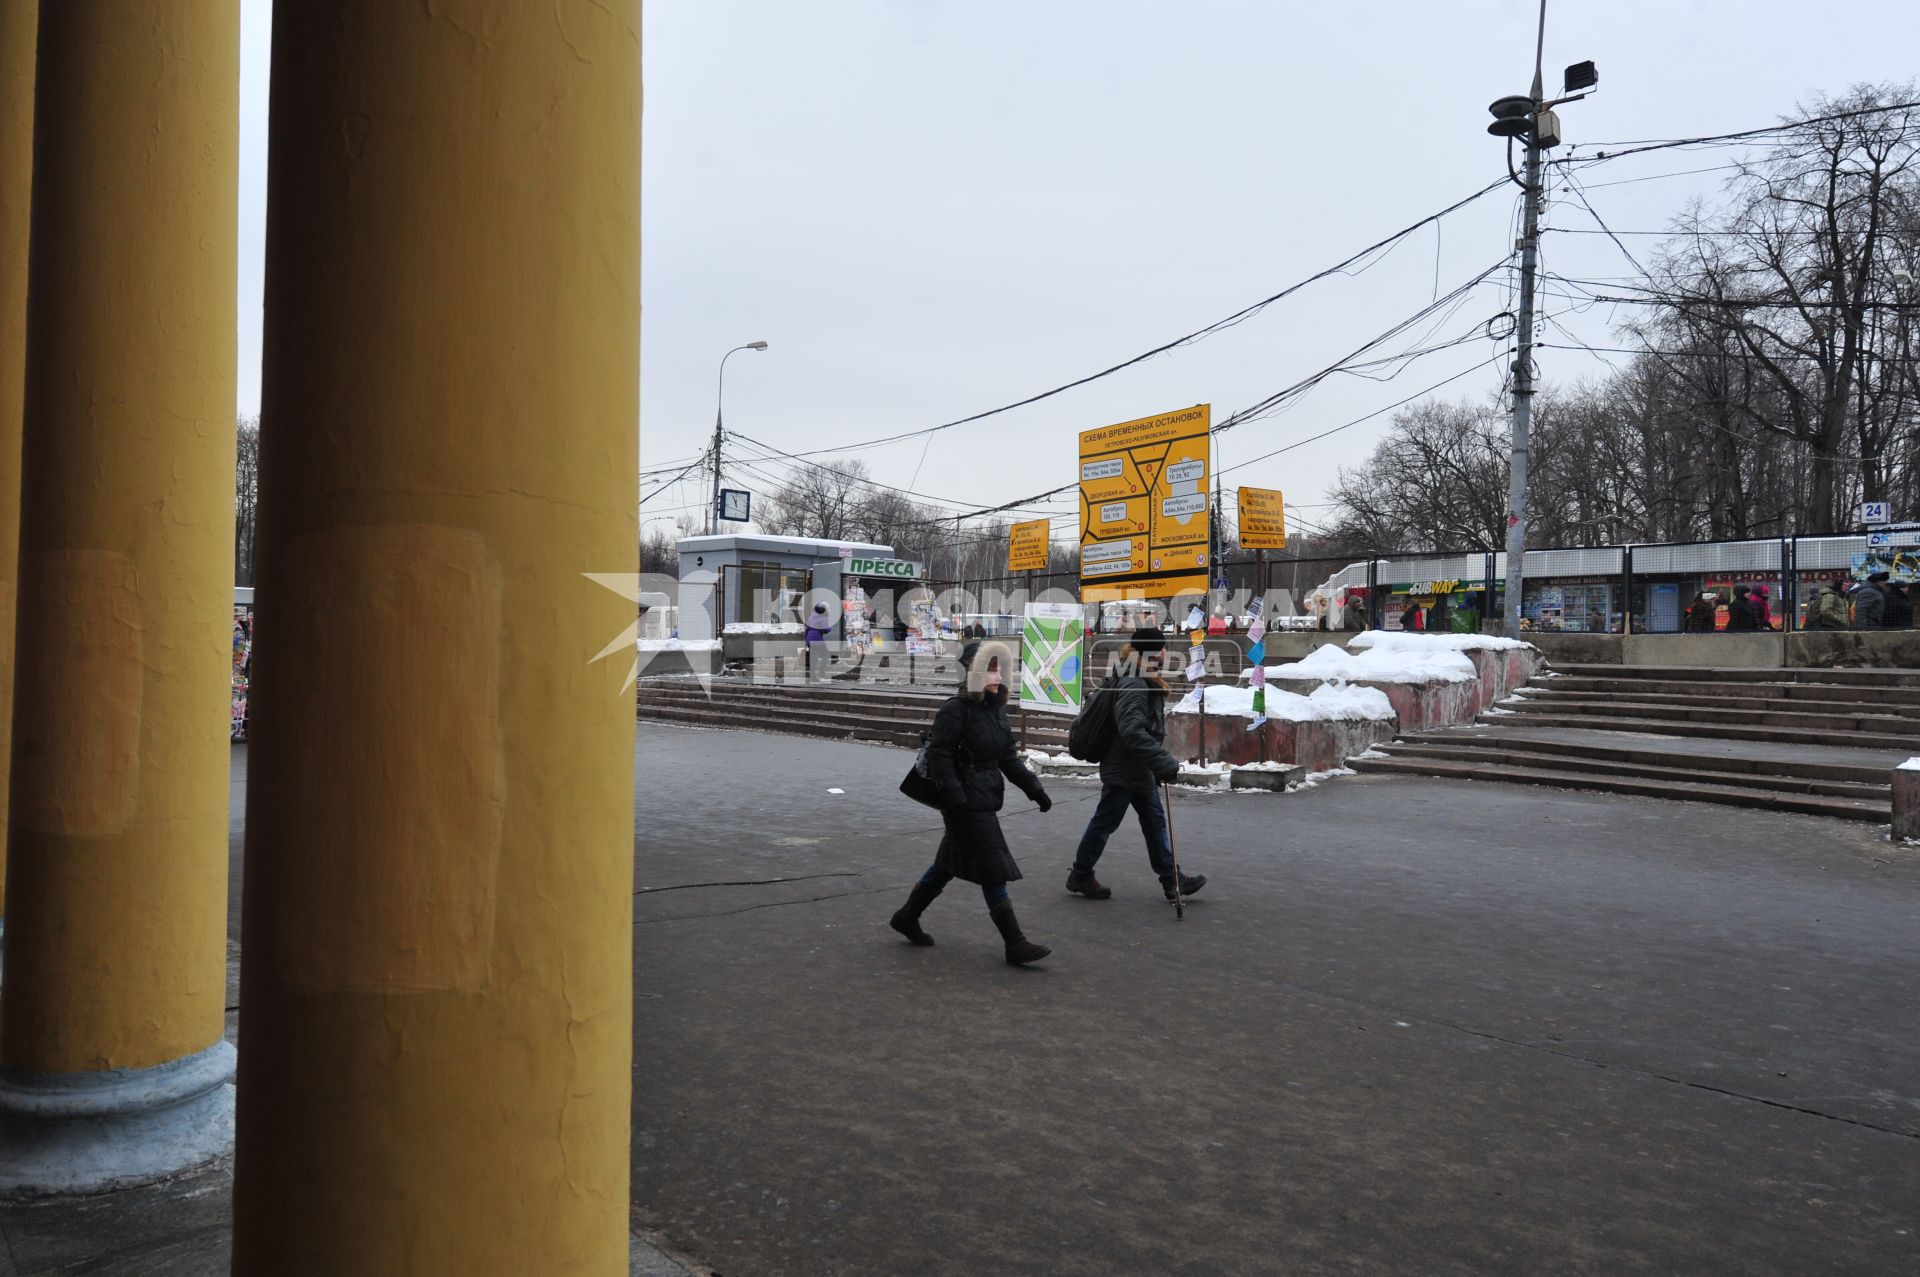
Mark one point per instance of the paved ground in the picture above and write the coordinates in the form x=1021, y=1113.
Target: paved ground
x=1411, y=1026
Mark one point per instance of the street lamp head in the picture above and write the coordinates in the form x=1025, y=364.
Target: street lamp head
x=756, y=345
x=1512, y=116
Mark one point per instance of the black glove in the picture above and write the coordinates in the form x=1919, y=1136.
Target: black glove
x=1168, y=772
x=1040, y=800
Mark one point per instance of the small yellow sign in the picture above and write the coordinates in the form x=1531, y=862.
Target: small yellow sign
x=1263, y=519
x=1144, y=507
x=1028, y=545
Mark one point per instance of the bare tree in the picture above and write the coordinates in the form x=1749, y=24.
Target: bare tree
x=246, y=497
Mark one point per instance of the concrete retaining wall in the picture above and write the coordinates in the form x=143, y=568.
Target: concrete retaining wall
x=1317, y=746
x=1812, y=649
x=1906, y=802
x=1419, y=706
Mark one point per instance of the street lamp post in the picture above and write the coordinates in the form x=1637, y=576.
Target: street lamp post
x=713, y=507
x=1530, y=119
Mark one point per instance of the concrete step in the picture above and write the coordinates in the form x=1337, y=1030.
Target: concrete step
x=1737, y=693
x=1842, y=715
x=745, y=721
x=1713, y=700
x=1643, y=787
x=1807, y=764
x=1698, y=674
x=1627, y=722
x=892, y=724
x=1700, y=771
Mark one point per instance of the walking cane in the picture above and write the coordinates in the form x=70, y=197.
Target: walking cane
x=1173, y=850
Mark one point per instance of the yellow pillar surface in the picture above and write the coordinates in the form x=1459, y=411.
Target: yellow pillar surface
x=18, y=21
x=115, y=950
x=437, y=985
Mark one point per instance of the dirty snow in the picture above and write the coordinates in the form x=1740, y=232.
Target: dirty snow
x=1383, y=640
x=1325, y=704
x=1380, y=665
x=677, y=645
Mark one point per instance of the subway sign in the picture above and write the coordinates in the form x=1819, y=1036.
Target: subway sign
x=899, y=569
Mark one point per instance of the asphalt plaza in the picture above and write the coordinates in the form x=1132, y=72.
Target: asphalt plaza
x=1410, y=1026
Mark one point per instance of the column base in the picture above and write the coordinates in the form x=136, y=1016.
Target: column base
x=92, y=1132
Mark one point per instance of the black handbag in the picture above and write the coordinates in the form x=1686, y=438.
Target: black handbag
x=918, y=784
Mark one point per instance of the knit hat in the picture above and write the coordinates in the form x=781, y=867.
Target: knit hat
x=1148, y=638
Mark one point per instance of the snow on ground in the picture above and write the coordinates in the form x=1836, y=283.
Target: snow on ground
x=677, y=645
x=764, y=627
x=1400, y=640
x=1437, y=664
x=1325, y=704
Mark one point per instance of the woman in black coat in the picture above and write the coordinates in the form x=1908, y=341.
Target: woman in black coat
x=969, y=752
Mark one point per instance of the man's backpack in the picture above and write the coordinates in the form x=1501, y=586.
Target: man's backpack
x=1094, y=729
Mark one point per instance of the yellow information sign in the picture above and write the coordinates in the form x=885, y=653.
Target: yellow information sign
x=1143, y=507
x=1263, y=520
x=1028, y=545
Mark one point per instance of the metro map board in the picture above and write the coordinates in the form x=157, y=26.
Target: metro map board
x=1143, y=507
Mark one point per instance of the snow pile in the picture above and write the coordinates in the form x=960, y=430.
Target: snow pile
x=1400, y=640
x=1423, y=664
x=764, y=627
x=1911, y=765
x=677, y=645
x=1325, y=704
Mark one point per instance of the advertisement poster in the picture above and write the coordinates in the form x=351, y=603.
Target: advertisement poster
x=1050, y=639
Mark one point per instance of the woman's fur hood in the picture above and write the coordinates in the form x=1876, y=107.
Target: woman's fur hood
x=985, y=655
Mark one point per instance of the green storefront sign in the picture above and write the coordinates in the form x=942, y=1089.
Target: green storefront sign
x=900, y=569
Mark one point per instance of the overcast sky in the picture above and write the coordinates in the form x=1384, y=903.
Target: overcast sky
x=930, y=208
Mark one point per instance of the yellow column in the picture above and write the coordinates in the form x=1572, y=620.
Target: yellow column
x=18, y=20
x=114, y=1068
x=436, y=985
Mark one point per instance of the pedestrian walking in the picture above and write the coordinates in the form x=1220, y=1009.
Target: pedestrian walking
x=1353, y=614
x=1740, y=613
x=819, y=626
x=1870, y=603
x=1700, y=615
x=1132, y=770
x=1413, y=620
x=1898, y=613
x=1762, y=608
x=971, y=752
x=1827, y=610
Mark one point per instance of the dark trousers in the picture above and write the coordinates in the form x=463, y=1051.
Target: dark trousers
x=937, y=878
x=1112, y=809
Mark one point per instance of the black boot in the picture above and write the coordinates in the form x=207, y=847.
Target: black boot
x=906, y=920
x=1020, y=950
x=1085, y=884
x=1188, y=885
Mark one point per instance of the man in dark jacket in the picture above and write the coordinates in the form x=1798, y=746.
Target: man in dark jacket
x=1898, y=613
x=1870, y=603
x=1740, y=613
x=1136, y=765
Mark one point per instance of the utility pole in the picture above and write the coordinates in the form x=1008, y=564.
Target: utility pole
x=1530, y=119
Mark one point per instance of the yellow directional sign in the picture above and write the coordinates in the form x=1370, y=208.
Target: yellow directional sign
x=1263, y=520
x=1028, y=545
x=1143, y=507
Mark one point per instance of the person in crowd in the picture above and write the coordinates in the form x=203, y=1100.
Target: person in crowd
x=1413, y=619
x=971, y=753
x=1136, y=765
x=1898, y=614
x=1700, y=617
x=1827, y=609
x=819, y=627
x=1870, y=603
x=1596, y=621
x=1762, y=608
x=1740, y=612
x=1353, y=614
